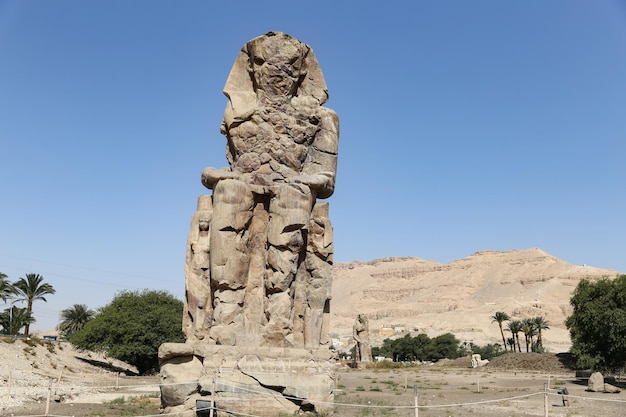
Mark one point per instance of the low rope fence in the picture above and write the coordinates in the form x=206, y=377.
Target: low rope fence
x=40, y=392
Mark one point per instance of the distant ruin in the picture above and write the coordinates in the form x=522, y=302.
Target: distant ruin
x=361, y=335
x=260, y=248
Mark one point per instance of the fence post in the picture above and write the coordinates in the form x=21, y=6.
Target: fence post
x=545, y=400
x=415, y=399
x=48, y=398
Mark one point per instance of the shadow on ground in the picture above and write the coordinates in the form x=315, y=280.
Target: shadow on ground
x=107, y=366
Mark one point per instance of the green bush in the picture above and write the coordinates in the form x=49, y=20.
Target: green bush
x=132, y=327
x=598, y=324
x=489, y=351
x=420, y=348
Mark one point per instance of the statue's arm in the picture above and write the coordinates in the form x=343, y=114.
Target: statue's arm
x=211, y=176
x=320, y=167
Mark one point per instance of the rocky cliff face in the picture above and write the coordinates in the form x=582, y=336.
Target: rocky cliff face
x=461, y=296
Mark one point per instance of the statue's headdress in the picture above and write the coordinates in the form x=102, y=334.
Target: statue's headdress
x=239, y=86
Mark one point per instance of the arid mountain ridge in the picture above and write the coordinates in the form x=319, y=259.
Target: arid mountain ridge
x=461, y=296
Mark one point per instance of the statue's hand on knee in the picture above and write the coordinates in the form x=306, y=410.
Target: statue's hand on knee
x=323, y=183
x=211, y=176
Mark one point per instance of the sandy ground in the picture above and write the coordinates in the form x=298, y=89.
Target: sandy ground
x=450, y=389
x=30, y=370
x=441, y=391
x=447, y=391
x=88, y=384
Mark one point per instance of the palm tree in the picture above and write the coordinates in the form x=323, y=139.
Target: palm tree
x=511, y=342
x=13, y=319
x=515, y=327
x=540, y=324
x=74, y=318
x=6, y=288
x=528, y=328
x=30, y=289
x=501, y=317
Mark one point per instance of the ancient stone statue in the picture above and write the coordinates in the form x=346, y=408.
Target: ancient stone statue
x=361, y=335
x=476, y=361
x=271, y=242
x=259, y=253
x=198, y=305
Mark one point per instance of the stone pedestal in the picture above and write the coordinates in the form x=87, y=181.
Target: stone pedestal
x=263, y=381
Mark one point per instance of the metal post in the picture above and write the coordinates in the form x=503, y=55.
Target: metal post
x=415, y=399
x=212, y=396
x=545, y=400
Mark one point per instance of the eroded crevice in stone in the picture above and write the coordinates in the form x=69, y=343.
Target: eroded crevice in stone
x=301, y=403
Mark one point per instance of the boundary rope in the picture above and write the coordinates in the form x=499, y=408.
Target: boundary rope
x=229, y=384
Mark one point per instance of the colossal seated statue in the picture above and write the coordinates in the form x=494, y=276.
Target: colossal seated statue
x=260, y=248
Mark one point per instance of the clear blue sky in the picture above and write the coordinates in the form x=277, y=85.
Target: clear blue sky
x=465, y=126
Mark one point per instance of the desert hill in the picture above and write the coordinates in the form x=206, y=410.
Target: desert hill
x=461, y=296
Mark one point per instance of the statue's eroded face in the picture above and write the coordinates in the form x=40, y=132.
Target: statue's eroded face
x=277, y=65
x=203, y=224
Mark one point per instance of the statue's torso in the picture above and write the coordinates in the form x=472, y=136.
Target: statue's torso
x=272, y=144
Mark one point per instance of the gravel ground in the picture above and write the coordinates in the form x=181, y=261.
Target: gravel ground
x=28, y=368
x=497, y=390
x=86, y=384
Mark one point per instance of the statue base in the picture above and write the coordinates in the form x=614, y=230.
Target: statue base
x=263, y=381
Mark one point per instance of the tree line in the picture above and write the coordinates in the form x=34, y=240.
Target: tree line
x=130, y=328
x=531, y=328
x=27, y=289
x=597, y=328
x=424, y=348
x=135, y=324
x=420, y=348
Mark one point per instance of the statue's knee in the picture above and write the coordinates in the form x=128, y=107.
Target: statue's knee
x=292, y=196
x=230, y=191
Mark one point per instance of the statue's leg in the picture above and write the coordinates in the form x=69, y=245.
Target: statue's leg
x=290, y=212
x=255, y=298
x=317, y=286
x=318, y=293
x=232, y=211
